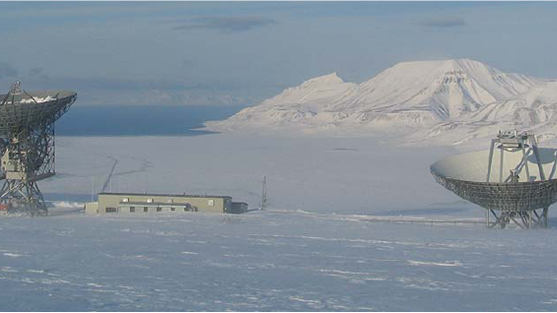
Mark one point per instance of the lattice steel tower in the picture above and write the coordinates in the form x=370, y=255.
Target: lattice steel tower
x=27, y=145
x=264, y=194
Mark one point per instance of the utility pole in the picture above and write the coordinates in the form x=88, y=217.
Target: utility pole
x=146, y=182
x=92, y=188
x=264, y=194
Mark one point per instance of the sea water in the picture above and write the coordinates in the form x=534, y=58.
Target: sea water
x=140, y=120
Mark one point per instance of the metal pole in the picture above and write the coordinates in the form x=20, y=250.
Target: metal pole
x=525, y=158
x=146, y=182
x=490, y=159
x=545, y=217
x=501, y=165
x=264, y=194
x=537, y=154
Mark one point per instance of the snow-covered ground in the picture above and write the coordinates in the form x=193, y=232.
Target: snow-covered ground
x=343, y=176
x=270, y=261
x=318, y=247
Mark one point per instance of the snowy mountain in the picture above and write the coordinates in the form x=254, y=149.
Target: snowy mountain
x=535, y=109
x=418, y=100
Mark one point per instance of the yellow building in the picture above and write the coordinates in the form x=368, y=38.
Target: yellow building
x=131, y=203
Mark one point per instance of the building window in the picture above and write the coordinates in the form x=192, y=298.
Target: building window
x=211, y=202
x=172, y=209
x=110, y=210
x=132, y=209
x=145, y=209
x=159, y=209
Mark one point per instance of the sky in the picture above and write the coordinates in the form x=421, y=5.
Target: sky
x=239, y=53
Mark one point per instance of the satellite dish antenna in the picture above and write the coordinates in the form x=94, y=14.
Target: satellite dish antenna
x=514, y=180
x=27, y=145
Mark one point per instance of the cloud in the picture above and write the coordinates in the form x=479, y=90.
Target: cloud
x=37, y=72
x=132, y=84
x=163, y=97
x=226, y=24
x=106, y=83
x=7, y=71
x=146, y=91
x=444, y=22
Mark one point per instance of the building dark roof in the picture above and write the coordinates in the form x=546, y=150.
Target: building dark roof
x=162, y=195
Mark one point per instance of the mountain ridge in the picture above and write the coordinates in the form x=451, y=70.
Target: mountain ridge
x=412, y=98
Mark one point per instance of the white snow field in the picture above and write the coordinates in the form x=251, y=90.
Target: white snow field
x=318, y=247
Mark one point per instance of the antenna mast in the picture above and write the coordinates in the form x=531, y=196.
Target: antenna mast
x=264, y=194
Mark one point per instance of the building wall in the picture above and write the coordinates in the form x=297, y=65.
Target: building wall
x=238, y=208
x=92, y=207
x=121, y=203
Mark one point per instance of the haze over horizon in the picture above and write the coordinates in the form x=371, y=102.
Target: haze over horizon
x=241, y=53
